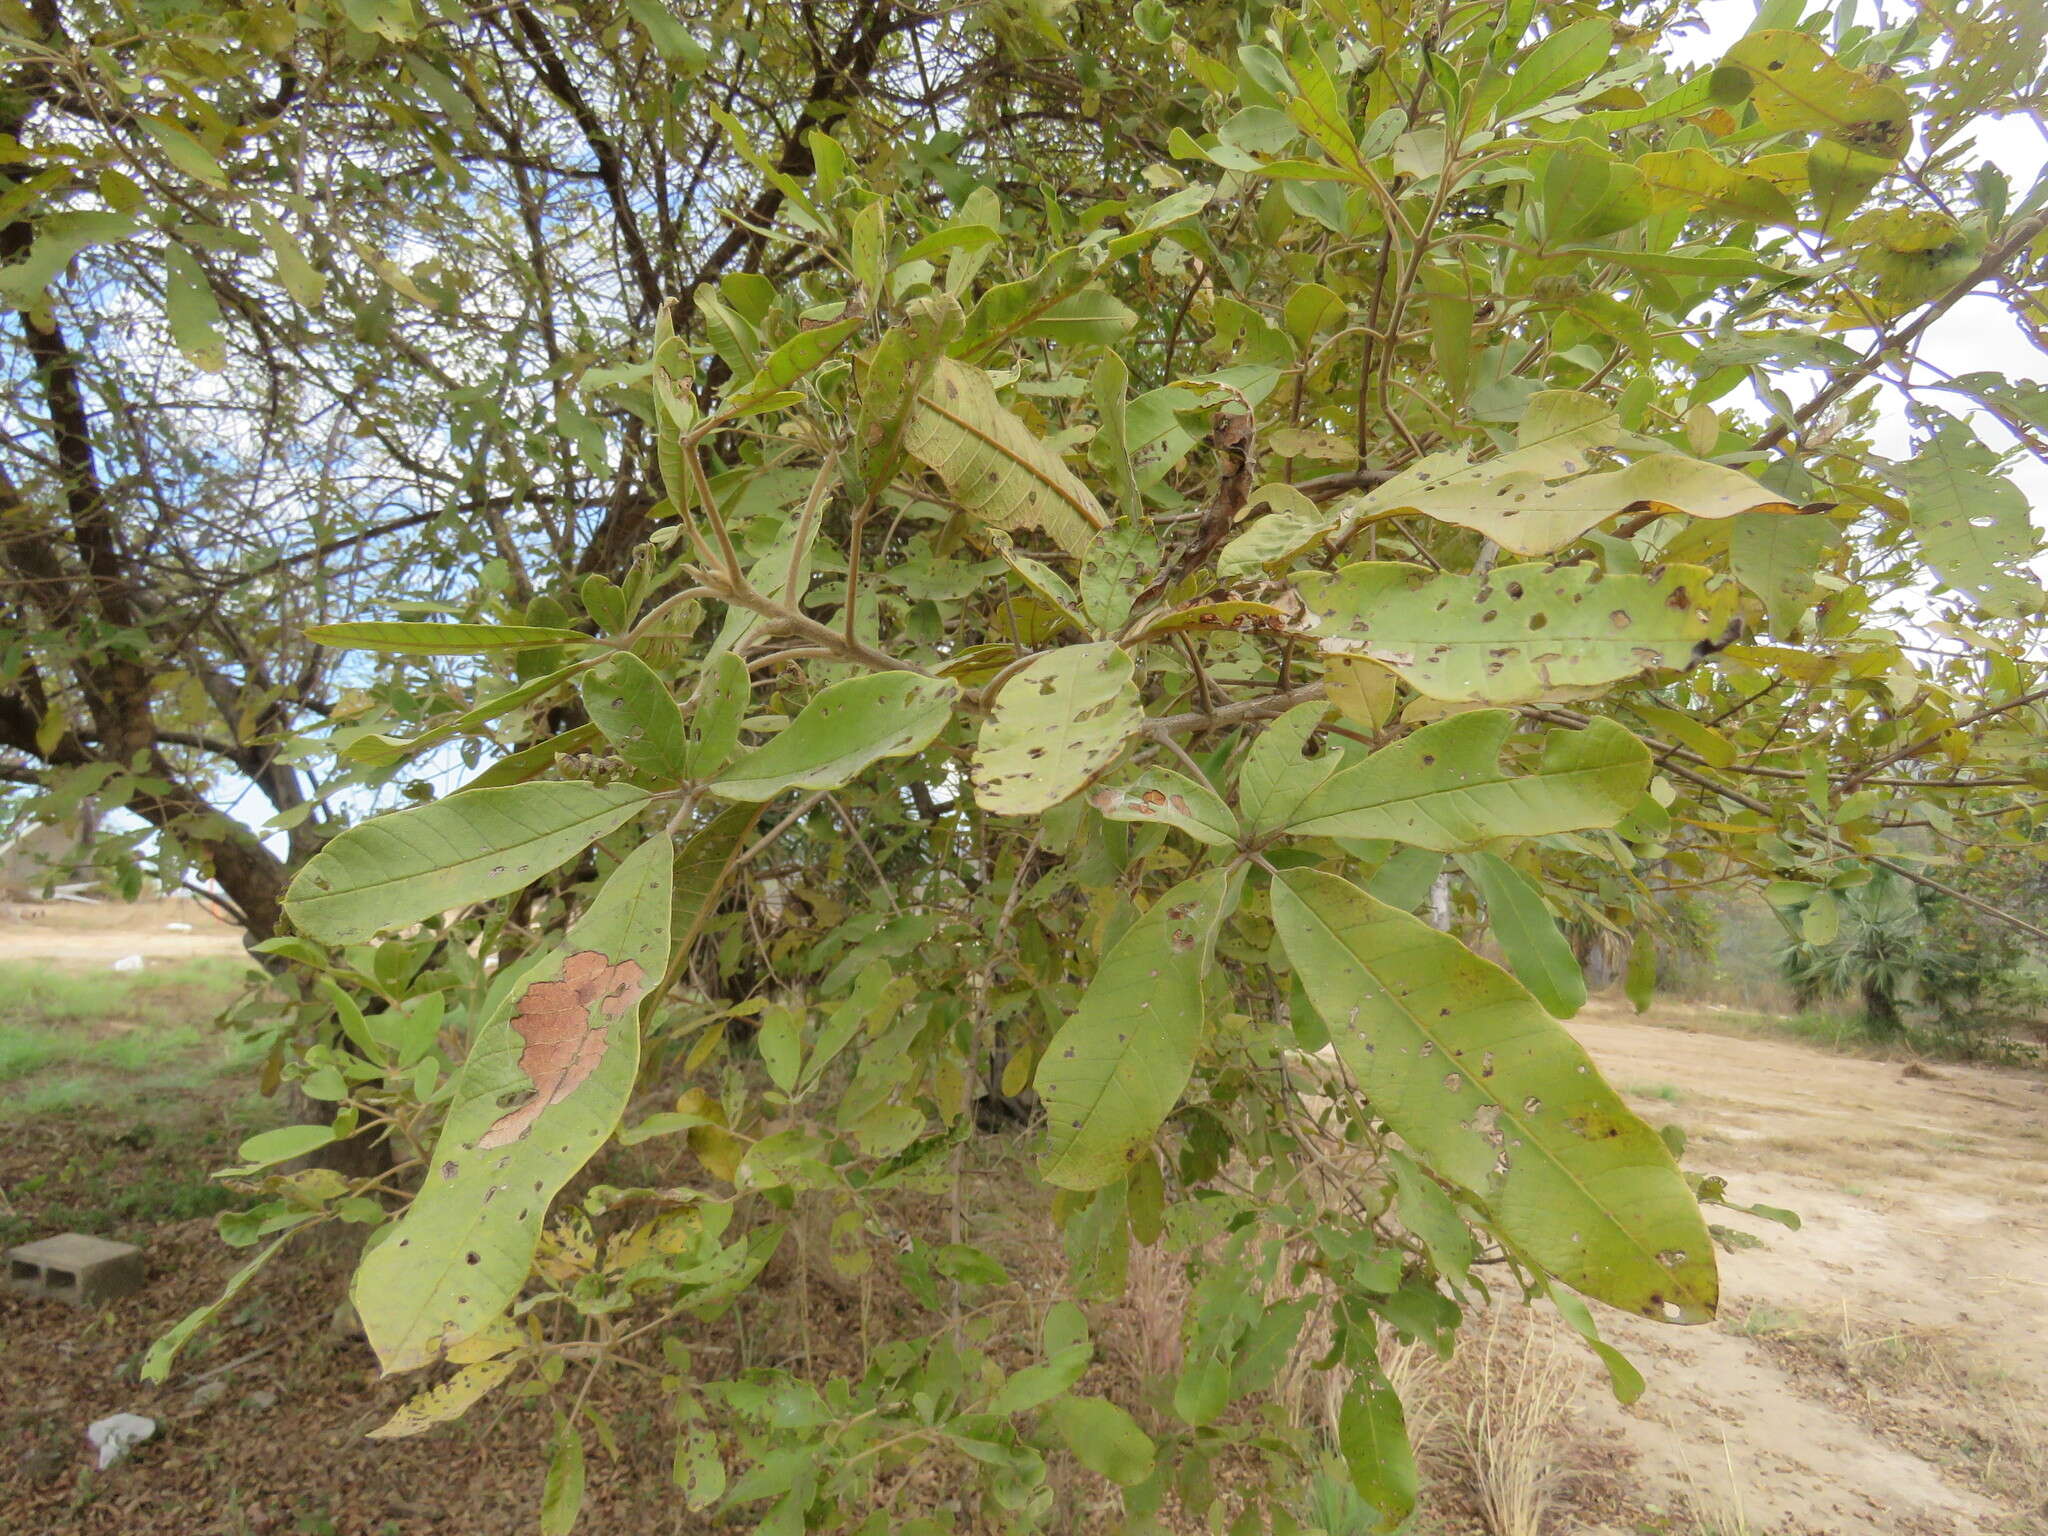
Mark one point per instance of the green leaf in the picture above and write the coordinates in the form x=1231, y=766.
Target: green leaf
x=991, y=463
x=1518, y=632
x=1567, y=57
x=414, y=639
x=1971, y=522
x=714, y=725
x=281, y=1146
x=1639, y=981
x=561, y=1498
x=789, y=363
x=58, y=238
x=673, y=42
x=561, y=1048
x=1120, y=562
x=1444, y=787
x=1777, y=559
x=156, y=1364
x=184, y=151
x=382, y=751
x=638, y=716
x=1623, y=1378
x=304, y=282
x=850, y=725
x=1277, y=778
x=698, y=1469
x=1056, y=724
x=193, y=311
x=408, y=865
x=1372, y=1436
x=1103, y=1438
x=1498, y=1100
x=1160, y=794
x=1528, y=935
x=527, y=763
x=1090, y=317
x=1113, y=1072
x=1796, y=84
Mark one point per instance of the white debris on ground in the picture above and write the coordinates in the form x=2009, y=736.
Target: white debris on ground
x=118, y=1434
x=128, y=963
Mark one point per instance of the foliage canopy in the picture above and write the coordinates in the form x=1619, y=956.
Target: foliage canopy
x=906, y=555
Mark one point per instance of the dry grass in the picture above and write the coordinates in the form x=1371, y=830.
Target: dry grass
x=1512, y=1435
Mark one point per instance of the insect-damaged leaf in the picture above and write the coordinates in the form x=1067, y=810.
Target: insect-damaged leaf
x=990, y=461
x=1797, y=84
x=1160, y=794
x=1971, y=521
x=397, y=869
x=1116, y=1068
x=546, y=1081
x=1499, y=1100
x=850, y=725
x=1445, y=788
x=1519, y=632
x=638, y=716
x=1056, y=725
x=450, y=1400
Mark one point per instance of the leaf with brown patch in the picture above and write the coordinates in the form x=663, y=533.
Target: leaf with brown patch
x=564, y=1039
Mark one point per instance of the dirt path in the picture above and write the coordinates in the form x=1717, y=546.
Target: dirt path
x=1879, y=1370
x=107, y=931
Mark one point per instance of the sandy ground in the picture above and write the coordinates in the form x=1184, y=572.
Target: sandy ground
x=107, y=931
x=1923, y=1258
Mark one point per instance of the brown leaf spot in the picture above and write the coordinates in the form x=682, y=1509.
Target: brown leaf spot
x=564, y=1042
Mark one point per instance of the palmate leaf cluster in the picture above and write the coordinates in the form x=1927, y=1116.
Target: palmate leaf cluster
x=1012, y=583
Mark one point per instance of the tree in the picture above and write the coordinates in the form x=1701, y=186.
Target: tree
x=1005, y=547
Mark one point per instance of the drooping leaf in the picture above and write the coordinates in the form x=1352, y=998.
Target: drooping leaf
x=1496, y=1098
x=409, y=865
x=990, y=461
x=1372, y=1436
x=1056, y=724
x=450, y=1400
x=547, y=1078
x=561, y=1494
x=1519, y=632
x=853, y=723
x=1777, y=558
x=1160, y=794
x=1444, y=787
x=1115, y=1069
x=1104, y=1439
x=193, y=311
x=638, y=716
x=1536, y=951
x=416, y=639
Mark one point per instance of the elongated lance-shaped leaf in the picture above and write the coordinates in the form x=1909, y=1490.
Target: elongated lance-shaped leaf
x=1519, y=632
x=547, y=1078
x=1457, y=1057
x=1160, y=794
x=401, y=868
x=382, y=750
x=410, y=638
x=1057, y=724
x=1537, y=952
x=1114, y=1070
x=1445, y=788
x=1372, y=1435
x=850, y=725
x=1528, y=512
x=990, y=461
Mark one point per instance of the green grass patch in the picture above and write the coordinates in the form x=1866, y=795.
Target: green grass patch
x=1670, y=1093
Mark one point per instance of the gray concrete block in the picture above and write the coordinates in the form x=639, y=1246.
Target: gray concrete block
x=77, y=1268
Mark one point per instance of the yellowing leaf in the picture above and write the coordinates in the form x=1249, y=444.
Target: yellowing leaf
x=990, y=461
x=1055, y=726
x=1519, y=632
x=1499, y=1100
x=450, y=1400
x=1115, y=1069
x=547, y=1078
